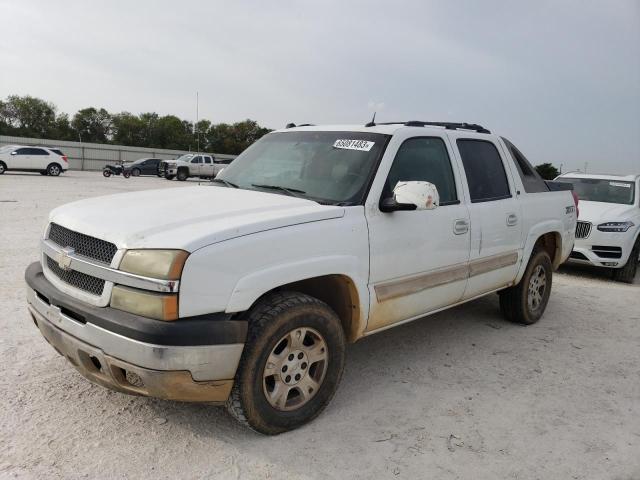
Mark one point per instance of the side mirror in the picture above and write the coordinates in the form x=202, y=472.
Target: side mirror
x=416, y=195
x=15, y=152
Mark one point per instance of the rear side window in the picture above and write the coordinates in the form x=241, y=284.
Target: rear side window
x=38, y=151
x=484, y=169
x=532, y=181
x=207, y=159
x=423, y=159
x=57, y=151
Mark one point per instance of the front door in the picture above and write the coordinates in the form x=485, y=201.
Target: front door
x=418, y=259
x=496, y=217
x=196, y=164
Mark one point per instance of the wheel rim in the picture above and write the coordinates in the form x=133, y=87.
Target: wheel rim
x=1, y=168
x=295, y=369
x=53, y=170
x=537, y=287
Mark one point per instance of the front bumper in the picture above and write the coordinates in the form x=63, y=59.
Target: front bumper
x=96, y=342
x=603, y=249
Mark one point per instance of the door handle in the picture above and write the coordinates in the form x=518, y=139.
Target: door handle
x=512, y=219
x=460, y=227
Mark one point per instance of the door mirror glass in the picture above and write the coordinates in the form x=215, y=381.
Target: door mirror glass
x=15, y=152
x=414, y=195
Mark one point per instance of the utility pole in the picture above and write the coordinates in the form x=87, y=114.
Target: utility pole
x=196, y=125
x=585, y=166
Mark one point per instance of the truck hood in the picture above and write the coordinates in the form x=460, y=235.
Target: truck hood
x=187, y=218
x=601, y=212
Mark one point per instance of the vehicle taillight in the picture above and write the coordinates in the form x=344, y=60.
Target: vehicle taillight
x=576, y=200
x=64, y=157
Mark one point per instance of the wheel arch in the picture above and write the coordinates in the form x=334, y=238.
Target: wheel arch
x=343, y=292
x=549, y=238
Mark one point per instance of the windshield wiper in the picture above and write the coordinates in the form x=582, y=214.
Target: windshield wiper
x=291, y=191
x=225, y=183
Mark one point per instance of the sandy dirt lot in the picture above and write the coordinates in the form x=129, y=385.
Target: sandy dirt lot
x=461, y=394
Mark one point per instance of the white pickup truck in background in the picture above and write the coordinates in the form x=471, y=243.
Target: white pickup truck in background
x=608, y=231
x=312, y=238
x=194, y=165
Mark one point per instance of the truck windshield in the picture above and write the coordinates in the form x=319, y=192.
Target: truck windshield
x=328, y=167
x=599, y=190
x=184, y=158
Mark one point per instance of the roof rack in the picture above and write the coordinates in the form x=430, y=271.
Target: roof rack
x=292, y=125
x=448, y=125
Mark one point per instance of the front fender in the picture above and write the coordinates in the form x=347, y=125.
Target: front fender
x=251, y=287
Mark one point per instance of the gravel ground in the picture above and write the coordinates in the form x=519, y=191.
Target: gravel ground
x=462, y=394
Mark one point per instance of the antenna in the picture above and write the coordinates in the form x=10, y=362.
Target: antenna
x=372, y=123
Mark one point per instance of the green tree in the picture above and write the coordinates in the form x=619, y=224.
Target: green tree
x=93, y=125
x=27, y=117
x=129, y=129
x=547, y=171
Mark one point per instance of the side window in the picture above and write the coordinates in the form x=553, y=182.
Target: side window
x=532, y=181
x=484, y=169
x=39, y=151
x=423, y=159
x=197, y=159
x=23, y=151
x=207, y=159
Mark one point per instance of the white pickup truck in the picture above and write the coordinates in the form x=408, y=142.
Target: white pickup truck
x=195, y=165
x=312, y=238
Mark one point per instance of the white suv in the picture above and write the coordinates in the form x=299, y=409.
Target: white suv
x=47, y=161
x=607, y=234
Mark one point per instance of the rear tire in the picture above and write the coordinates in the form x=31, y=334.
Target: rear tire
x=106, y=173
x=126, y=174
x=182, y=175
x=291, y=364
x=627, y=273
x=43, y=172
x=54, y=169
x=525, y=302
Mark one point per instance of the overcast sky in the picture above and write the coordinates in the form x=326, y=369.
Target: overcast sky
x=561, y=79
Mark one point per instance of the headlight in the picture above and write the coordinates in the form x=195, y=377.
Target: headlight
x=163, y=264
x=615, y=226
x=146, y=304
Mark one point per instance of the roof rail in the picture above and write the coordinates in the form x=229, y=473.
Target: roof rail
x=448, y=125
x=292, y=125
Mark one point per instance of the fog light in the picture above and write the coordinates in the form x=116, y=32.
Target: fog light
x=145, y=304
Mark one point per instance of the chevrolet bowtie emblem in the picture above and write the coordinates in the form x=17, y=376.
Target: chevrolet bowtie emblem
x=64, y=258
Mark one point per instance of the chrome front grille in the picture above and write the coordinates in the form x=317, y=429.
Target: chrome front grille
x=84, y=245
x=583, y=229
x=79, y=280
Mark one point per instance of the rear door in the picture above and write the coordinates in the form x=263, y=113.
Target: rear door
x=206, y=170
x=495, y=213
x=39, y=158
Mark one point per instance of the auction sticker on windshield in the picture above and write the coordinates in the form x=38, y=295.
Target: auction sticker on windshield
x=619, y=184
x=362, y=145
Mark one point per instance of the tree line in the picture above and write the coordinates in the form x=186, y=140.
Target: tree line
x=27, y=116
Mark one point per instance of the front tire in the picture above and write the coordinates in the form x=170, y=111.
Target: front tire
x=627, y=273
x=135, y=172
x=182, y=175
x=525, y=302
x=54, y=170
x=169, y=177
x=3, y=168
x=106, y=173
x=291, y=364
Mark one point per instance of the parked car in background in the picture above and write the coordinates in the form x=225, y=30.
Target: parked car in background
x=608, y=229
x=190, y=165
x=245, y=292
x=143, y=166
x=47, y=161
